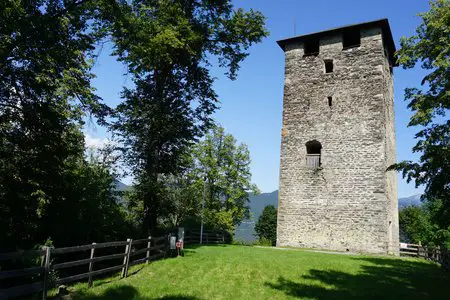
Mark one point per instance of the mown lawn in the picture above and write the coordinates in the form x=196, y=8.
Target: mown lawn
x=240, y=272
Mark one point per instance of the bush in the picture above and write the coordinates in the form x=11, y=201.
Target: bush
x=265, y=242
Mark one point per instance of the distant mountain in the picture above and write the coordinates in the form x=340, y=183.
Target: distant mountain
x=246, y=231
x=409, y=201
x=120, y=186
x=258, y=202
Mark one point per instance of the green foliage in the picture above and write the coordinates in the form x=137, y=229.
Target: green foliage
x=167, y=46
x=265, y=242
x=46, y=48
x=431, y=48
x=47, y=188
x=217, y=169
x=266, y=226
x=182, y=201
x=224, y=167
x=418, y=223
x=415, y=222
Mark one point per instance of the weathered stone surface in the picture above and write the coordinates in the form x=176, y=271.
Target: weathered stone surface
x=350, y=201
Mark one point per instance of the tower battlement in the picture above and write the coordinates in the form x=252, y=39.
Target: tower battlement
x=338, y=139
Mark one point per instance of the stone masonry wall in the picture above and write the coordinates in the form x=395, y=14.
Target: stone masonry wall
x=390, y=158
x=350, y=202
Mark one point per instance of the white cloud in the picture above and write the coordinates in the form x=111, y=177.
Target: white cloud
x=93, y=142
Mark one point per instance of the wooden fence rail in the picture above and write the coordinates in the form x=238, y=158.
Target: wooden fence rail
x=209, y=237
x=151, y=248
x=156, y=246
x=439, y=255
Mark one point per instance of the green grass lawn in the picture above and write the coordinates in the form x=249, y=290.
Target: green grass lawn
x=240, y=272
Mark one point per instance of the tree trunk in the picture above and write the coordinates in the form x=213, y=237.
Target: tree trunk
x=150, y=211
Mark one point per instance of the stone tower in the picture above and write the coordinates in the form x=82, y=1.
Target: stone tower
x=338, y=138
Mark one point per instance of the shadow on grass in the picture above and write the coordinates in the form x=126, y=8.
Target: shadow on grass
x=178, y=297
x=136, y=271
x=378, y=278
x=107, y=278
x=115, y=292
x=125, y=292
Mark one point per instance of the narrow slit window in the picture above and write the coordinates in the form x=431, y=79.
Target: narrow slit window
x=311, y=47
x=351, y=37
x=328, y=66
x=330, y=101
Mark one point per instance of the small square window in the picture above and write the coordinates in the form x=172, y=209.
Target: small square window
x=351, y=37
x=328, y=66
x=311, y=47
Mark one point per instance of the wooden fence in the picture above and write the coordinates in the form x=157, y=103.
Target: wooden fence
x=131, y=249
x=439, y=255
x=209, y=237
x=129, y=253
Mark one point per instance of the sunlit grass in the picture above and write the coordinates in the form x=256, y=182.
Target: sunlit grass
x=240, y=272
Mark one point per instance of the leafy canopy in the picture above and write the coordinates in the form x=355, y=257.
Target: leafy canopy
x=46, y=54
x=225, y=166
x=430, y=47
x=168, y=47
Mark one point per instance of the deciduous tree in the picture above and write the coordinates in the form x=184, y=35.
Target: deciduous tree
x=46, y=51
x=430, y=47
x=168, y=46
x=224, y=167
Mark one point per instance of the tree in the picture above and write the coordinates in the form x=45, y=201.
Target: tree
x=168, y=46
x=46, y=52
x=415, y=222
x=431, y=48
x=183, y=201
x=224, y=167
x=418, y=224
x=266, y=226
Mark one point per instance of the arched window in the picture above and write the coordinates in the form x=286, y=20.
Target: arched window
x=313, y=151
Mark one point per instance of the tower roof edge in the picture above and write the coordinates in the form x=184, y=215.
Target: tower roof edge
x=382, y=23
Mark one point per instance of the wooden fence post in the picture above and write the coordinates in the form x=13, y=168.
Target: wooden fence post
x=46, y=272
x=126, y=259
x=91, y=265
x=149, y=244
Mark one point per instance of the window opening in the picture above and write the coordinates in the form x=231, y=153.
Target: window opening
x=313, y=153
x=351, y=37
x=311, y=47
x=328, y=66
x=330, y=101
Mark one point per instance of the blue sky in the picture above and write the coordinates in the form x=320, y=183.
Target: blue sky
x=251, y=106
